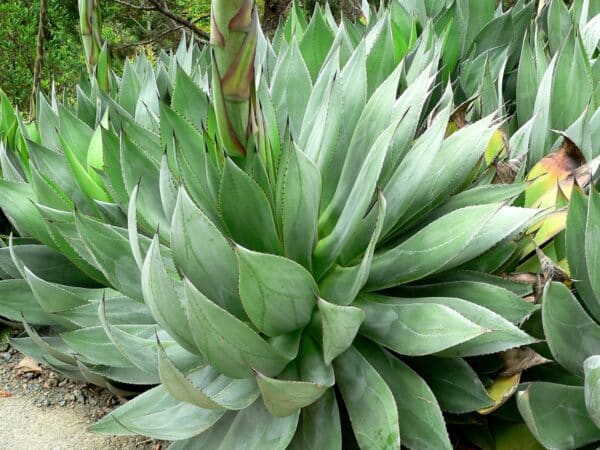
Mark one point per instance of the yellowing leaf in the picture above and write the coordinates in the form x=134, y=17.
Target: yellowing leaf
x=500, y=391
x=497, y=147
x=550, y=173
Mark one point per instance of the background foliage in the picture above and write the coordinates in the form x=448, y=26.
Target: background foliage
x=18, y=30
x=125, y=28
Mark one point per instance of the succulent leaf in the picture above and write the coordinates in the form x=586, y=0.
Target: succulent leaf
x=558, y=405
x=278, y=294
x=154, y=413
x=571, y=333
x=372, y=408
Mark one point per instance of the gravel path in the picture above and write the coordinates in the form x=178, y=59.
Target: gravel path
x=25, y=426
x=39, y=410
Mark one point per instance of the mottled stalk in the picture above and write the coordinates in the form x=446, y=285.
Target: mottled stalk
x=234, y=31
x=39, y=58
x=96, y=54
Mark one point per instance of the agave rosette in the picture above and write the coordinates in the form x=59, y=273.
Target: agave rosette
x=286, y=259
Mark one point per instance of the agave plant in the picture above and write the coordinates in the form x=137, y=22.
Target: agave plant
x=285, y=238
x=561, y=405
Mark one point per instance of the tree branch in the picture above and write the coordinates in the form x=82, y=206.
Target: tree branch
x=165, y=5
x=134, y=6
x=153, y=38
x=161, y=8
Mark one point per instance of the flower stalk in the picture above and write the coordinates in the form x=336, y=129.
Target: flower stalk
x=96, y=53
x=233, y=37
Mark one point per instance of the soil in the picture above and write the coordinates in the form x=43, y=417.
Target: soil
x=40, y=410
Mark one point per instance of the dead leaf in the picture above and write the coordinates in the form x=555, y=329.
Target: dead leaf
x=519, y=359
x=5, y=394
x=538, y=289
x=506, y=171
x=520, y=277
x=552, y=271
x=28, y=364
x=459, y=116
x=584, y=174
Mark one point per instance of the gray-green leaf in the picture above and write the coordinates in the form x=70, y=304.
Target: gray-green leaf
x=278, y=294
x=370, y=402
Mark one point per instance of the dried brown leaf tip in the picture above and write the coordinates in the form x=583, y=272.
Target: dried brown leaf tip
x=521, y=277
x=517, y=360
x=506, y=171
x=551, y=270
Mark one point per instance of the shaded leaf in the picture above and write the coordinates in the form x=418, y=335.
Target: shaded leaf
x=157, y=415
x=556, y=415
x=370, y=402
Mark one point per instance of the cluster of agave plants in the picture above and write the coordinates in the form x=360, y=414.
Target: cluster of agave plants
x=367, y=234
